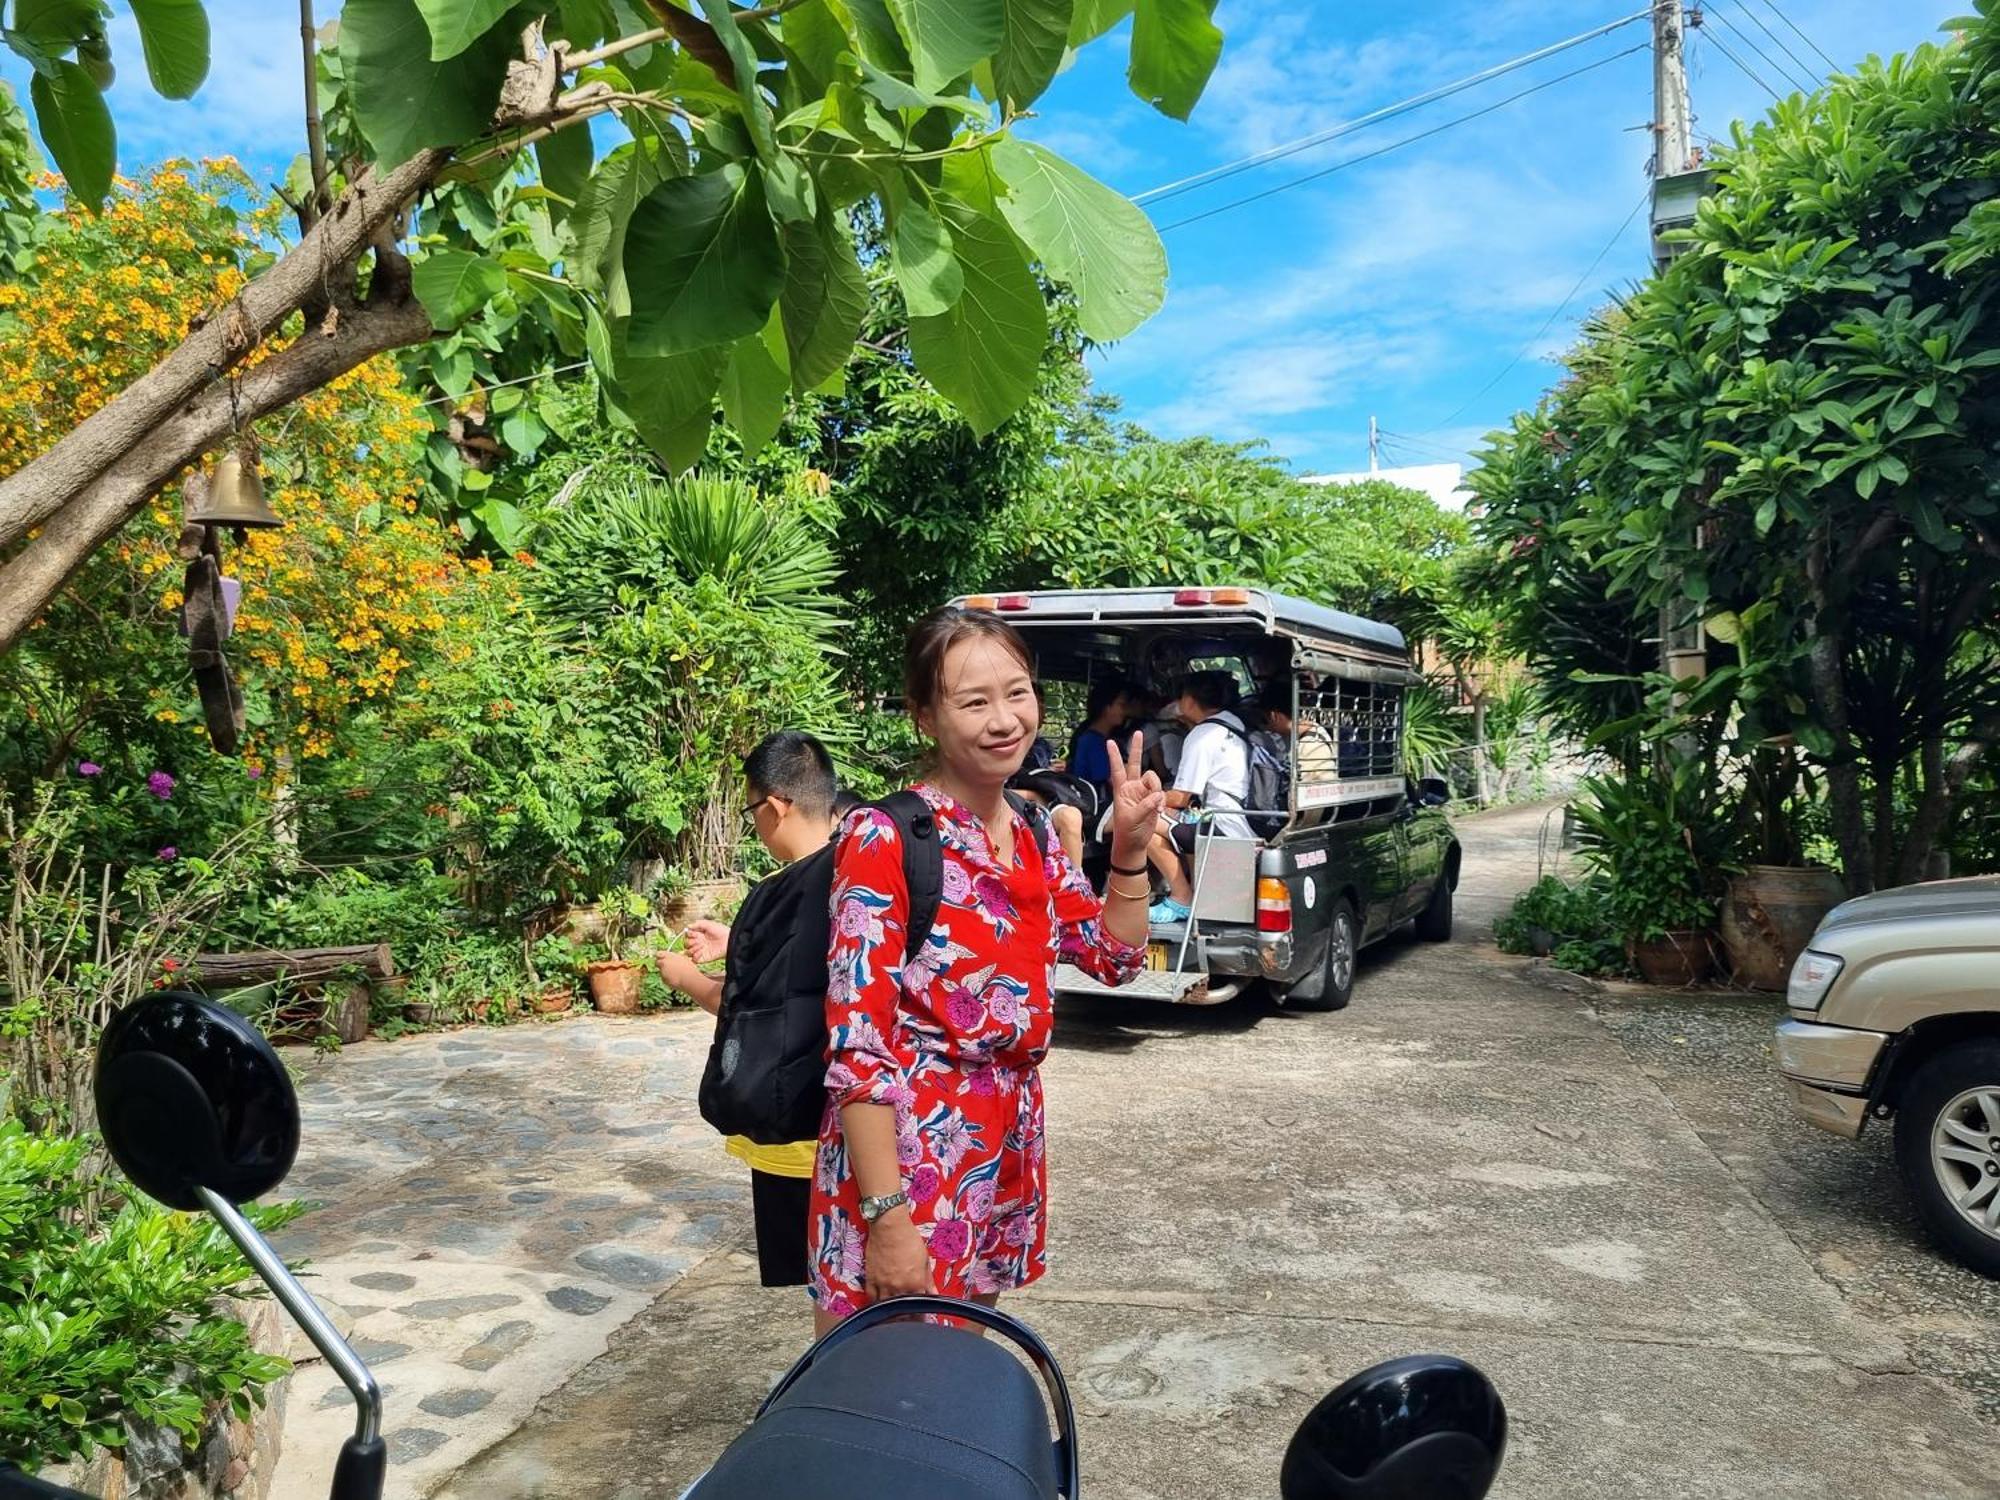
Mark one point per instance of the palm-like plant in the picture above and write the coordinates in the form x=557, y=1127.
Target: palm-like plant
x=639, y=539
x=1430, y=732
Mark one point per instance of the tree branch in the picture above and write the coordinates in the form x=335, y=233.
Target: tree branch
x=315, y=129
x=32, y=578
x=569, y=62
x=108, y=436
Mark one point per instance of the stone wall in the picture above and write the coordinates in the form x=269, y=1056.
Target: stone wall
x=234, y=1459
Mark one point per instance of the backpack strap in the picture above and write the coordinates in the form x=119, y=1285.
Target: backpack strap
x=1035, y=816
x=923, y=863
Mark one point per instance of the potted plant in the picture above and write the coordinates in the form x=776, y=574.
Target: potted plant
x=552, y=966
x=615, y=981
x=1770, y=909
x=1656, y=842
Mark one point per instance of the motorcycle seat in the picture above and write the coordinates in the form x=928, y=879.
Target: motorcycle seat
x=904, y=1411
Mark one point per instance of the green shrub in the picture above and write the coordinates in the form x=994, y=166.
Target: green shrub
x=107, y=1316
x=1574, y=922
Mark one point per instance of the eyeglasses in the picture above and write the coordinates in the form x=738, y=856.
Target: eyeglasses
x=750, y=812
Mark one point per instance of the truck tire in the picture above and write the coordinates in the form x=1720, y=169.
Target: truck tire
x=1434, y=921
x=1331, y=984
x=1948, y=1150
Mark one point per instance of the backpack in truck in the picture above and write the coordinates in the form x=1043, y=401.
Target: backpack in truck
x=766, y=1073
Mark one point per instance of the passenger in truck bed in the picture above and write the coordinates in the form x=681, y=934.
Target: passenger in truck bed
x=1214, y=772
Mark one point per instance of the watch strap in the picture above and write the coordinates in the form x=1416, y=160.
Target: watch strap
x=873, y=1208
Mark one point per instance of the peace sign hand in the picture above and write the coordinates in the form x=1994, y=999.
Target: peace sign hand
x=1137, y=800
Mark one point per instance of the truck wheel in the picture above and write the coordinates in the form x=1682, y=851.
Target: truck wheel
x=1331, y=985
x=1434, y=921
x=1948, y=1150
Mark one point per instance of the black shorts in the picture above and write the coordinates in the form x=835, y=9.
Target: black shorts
x=1182, y=836
x=779, y=1206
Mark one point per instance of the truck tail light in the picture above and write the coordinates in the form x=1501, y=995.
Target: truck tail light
x=981, y=601
x=1274, y=905
x=1187, y=598
x=1231, y=596
x=1012, y=602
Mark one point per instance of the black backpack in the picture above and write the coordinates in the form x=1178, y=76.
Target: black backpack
x=766, y=1072
x=1270, y=768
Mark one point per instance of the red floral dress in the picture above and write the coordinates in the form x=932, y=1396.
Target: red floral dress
x=953, y=1040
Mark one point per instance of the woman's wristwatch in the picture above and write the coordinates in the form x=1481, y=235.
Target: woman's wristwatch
x=873, y=1208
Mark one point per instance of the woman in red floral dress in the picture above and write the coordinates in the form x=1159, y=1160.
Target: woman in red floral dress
x=931, y=1171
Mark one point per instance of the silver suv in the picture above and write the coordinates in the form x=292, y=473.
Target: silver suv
x=1895, y=1010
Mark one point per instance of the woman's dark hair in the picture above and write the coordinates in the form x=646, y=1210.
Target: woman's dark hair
x=845, y=800
x=794, y=765
x=932, y=638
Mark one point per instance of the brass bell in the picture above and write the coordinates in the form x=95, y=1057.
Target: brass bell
x=235, y=494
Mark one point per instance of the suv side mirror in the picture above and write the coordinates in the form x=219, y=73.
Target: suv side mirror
x=1428, y=1427
x=1434, y=791
x=199, y=1112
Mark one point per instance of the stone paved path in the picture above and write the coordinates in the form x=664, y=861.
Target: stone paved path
x=495, y=1203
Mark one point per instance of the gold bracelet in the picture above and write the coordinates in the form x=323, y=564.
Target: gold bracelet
x=1143, y=894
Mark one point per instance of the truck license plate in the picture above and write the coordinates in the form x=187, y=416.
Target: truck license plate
x=1156, y=957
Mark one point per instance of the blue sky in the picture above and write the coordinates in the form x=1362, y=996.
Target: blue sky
x=1399, y=287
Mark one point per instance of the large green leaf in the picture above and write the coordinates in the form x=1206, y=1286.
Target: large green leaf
x=920, y=250
x=671, y=400
x=604, y=208
x=1090, y=19
x=1033, y=38
x=454, y=284
x=564, y=160
x=743, y=59
x=754, y=386
x=43, y=31
x=457, y=24
x=983, y=355
x=174, y=36
x=403, y=101
x=1097, y=242
x=946, y=37
x=1174, y=48
x=824, y=300
x=76, y=127
x=702, y=263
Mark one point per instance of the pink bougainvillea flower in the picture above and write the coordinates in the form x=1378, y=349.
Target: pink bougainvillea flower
x=160, y=784
x=170, y=853
x=89, y=768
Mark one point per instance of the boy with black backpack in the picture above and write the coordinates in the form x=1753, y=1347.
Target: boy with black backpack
x=790, y=803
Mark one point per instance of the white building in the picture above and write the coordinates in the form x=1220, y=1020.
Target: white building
x=1444, y=483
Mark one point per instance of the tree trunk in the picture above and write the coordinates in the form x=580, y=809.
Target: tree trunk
x=1479, y=776
x=1941, y=795
x=233, y=970
x=1843, y=767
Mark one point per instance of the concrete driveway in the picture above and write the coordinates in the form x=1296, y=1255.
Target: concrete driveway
x=1249, y=1205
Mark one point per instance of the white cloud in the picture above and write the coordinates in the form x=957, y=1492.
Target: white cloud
x=252, y=105
x=1237, y=394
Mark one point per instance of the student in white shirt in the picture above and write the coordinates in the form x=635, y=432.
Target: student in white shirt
x=1214, y=768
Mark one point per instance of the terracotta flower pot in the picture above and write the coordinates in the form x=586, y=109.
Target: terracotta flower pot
x=1769, y=915
x=614, y=986
x=420, y=1013
x=1675, y=958
x=554, y=1001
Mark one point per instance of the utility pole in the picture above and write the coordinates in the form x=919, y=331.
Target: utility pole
x=1374, y=446
x=1679, y=181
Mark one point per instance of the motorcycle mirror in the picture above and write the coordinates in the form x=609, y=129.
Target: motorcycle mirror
x=1427, y=1427
x=191, y=1096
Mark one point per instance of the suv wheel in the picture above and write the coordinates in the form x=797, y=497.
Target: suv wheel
x=1948, y=1150
x=1331, y=985
x=1434, y=921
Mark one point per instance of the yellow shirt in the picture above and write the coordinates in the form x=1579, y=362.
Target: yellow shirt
x=794, y=1159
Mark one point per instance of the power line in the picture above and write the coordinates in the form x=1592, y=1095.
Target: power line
x=1417, y=447
x=1716, y=42
x=1750, y=43
x=1804, y=67
x=1549, y=322
x=1387, y=112
x=1397, y=145
x=1772, y=6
